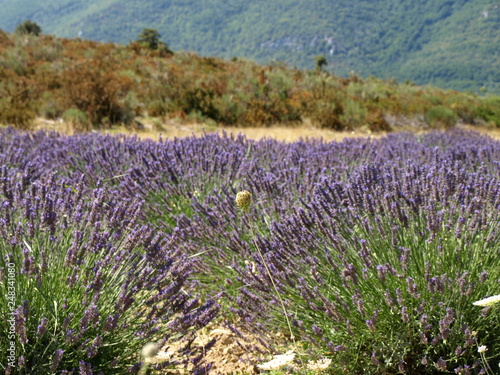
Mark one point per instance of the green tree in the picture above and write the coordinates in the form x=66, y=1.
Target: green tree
x=320, y=62
x=28, y=27
x=150, y=38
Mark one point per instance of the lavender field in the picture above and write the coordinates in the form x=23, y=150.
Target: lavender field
x=367, y=252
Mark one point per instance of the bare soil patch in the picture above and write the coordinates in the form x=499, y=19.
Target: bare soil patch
x=230, y=354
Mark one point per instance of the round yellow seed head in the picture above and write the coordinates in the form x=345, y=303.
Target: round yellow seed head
x=244, y=200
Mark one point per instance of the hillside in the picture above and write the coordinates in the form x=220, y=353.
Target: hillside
x=451, y=44
x=96, y=85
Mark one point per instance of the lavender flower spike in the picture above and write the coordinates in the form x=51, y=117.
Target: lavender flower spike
x=57, y=358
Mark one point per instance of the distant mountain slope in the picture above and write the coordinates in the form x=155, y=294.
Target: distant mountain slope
x=452, y=44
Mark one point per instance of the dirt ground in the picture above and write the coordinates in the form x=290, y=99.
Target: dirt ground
x=229, y=355
x=246, y=354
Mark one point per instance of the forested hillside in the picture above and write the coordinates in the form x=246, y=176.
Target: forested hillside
x=451, y=44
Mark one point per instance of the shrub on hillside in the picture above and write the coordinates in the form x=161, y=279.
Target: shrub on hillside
x=97, y=90
x=440, y=116
x=489, y=110
x=28, y=27
x=77, y=119
x=199, y=100
x=5, y=38
x=354, y=114
x=16, y=104
x=13, y=60
x=327, y=115
x=49, y=107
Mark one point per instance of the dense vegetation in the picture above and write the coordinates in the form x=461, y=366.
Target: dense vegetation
x=448, y=43
x=91, y=84
x=370, y=252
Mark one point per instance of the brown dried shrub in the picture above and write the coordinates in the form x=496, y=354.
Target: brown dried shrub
x=93, y=87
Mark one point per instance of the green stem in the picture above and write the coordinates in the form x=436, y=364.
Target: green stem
x=274, y=285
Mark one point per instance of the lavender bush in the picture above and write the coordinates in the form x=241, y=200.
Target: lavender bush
x=380, y=272
x=89, y=286
x=378, y=247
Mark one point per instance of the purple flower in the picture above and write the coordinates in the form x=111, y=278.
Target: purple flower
x=317, y=331
x=462, y=282
x=349, y=274
x=463, y=370
x=91, y=316
x=358, y=301
x=483, y=276
x=423, y=338
x=20, y=325
x=67, y=321
x=404, y=315
x=28, y=263
x=370, y=324
x=459, y=351
x=42, y=327
x=381, y=272
x=56, y=359
x=436, y=339
x=355, y=199
x=365, y=254
x=399, y=297
x=470, y=340
x=402, y=366
x=388, y=298
x=441, y=364
x=203, y=369
x=449, y=317
x=85, y=368
x=111, y=322
x=94, y=347
x=115, y=361
x=445, y=333
x=412, y=287
x=26, y=310
x=70, y=337
x=374, y=359
x=485, y=311
x=404, y=257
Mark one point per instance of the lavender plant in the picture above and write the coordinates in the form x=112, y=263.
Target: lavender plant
x=84, y=286
x=389, y=205
x=377, y=247
x=380, y=273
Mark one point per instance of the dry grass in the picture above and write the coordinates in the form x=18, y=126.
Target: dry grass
x=178, y=129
